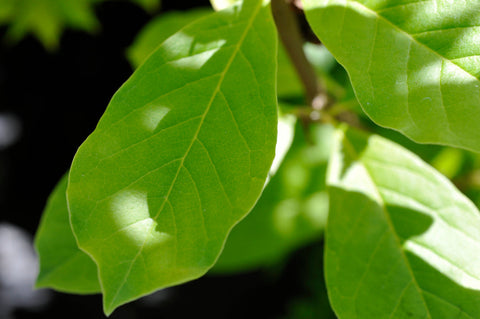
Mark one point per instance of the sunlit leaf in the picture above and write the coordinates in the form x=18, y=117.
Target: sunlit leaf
x=63, y=265
x=180, y=155
x=414, y=64
x=291, y=212
x=401, y=240
x=222, y=4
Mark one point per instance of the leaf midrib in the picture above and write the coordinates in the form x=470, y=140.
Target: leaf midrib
x=215, y=93
x=408, y=35
x=357, y=158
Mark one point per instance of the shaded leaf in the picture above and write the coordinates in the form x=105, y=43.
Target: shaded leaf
x=291, y=212
x=401, y=241
x=63, y=266
x=149, y=5
x=414, y=65
x=180, y=155
x=158, y=30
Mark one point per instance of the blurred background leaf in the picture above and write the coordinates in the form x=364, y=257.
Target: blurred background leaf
x=46, y=19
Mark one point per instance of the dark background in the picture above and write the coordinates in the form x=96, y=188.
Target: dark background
x=55, y=100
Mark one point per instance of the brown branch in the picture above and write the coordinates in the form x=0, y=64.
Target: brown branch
x=291, y=37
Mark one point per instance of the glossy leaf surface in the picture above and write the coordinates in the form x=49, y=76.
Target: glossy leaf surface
x=291, y=212
x=414, y=65
x=63, y=266
x=401, y=240
x=180, y=156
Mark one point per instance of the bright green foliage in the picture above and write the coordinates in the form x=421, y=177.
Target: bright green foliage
x=180, y=155
x=414, y=64
x=292, y=210
x=46, y=19
x=184, y=149
x=401, y=241
x=158, y=30
x=62, y=265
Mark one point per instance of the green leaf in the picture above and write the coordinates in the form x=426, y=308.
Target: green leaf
x=180, y=155
x=414, y=65
x=158, y=30
x=63, y=266
x=401, y=240
x=291, y=212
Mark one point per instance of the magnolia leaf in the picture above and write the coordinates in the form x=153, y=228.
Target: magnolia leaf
x=180, y=155
x=291, y=212
x=401, y=240
x=414, y=65
x=63, y=266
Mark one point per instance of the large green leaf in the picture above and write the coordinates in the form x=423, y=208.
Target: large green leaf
x=62, y=265
x=180, y=156
x=414, y=65
x=401, y=240
x=292, y=210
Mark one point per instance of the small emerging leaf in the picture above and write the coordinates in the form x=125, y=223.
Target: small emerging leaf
x=414, y=65
x=401, y=240
x=63, y=266
x=180, y=155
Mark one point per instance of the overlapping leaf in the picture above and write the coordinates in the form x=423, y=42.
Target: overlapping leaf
x=180, y=155
x=291, y=212
x=401, y=241
x=62, y=265
x=158, y=30
x=414, y=64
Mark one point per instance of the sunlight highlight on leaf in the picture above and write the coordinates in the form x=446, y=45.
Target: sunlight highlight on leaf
x=400, y=234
